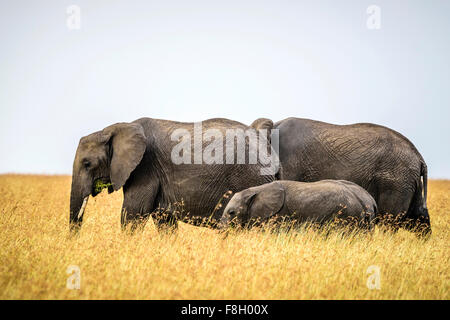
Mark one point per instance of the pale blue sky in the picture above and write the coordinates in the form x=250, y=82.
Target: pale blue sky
x=193, y=60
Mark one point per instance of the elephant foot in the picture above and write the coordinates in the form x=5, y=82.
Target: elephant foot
x=134, y=223
x=165, y=222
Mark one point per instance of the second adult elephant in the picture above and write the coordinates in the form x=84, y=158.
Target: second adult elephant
x=144, y=158
x=379, y=159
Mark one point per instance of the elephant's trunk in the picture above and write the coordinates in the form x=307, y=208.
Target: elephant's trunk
x=223, y=222
x=78, y=202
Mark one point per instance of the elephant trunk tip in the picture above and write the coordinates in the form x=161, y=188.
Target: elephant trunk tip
x=76, y=214
x=74, y=227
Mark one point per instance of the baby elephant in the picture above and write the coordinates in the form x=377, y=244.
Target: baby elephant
x=316, y=202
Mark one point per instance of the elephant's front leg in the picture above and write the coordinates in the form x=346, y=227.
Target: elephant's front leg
x=165, y=219
x=138, y=204
x=133, y=221
x=133, y=217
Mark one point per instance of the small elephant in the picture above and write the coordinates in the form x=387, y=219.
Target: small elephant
x=316, y=202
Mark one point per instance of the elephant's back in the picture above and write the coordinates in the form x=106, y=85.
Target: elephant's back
x=361, y=199
x=364, y=153
x=170, y=125
x=308, y=131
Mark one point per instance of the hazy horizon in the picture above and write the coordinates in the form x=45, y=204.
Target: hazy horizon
x=206, y=59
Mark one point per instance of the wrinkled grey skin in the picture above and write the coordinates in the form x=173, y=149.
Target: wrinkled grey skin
x=379, y=159
x=317, y=202
x=137, y=157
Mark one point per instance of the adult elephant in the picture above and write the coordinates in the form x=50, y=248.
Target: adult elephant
x=379, y=159
x=144, y=158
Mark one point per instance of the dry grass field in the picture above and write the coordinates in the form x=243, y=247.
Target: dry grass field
x=199, y=263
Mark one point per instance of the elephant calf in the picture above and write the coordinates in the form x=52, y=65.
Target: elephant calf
x=316, y=202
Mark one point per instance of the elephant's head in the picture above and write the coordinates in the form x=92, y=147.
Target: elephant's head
x=107, y=156
x=254, y=205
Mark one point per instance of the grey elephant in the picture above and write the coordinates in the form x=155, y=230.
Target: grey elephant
x=299, y=202
x=144, y=157
x=379, y=159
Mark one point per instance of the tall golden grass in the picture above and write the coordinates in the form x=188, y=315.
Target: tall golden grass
x=199, y=263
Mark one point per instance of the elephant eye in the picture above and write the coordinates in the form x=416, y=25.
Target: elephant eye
x=231, y=213
x=86, y=164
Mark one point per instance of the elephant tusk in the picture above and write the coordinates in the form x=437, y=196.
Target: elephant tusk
x=83, y=206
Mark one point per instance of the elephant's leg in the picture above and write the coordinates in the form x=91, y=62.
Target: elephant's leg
x=365, y=224
x=132, y=219
x=392, y=207
x=138, y=203
x=165, y=219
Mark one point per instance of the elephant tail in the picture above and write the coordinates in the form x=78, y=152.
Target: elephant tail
x=418, y=211
x=418, y=206
x=424, y=174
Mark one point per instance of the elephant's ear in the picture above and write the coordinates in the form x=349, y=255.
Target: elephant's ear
x=262, y=123
x=267, y=202
x=127, y=147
